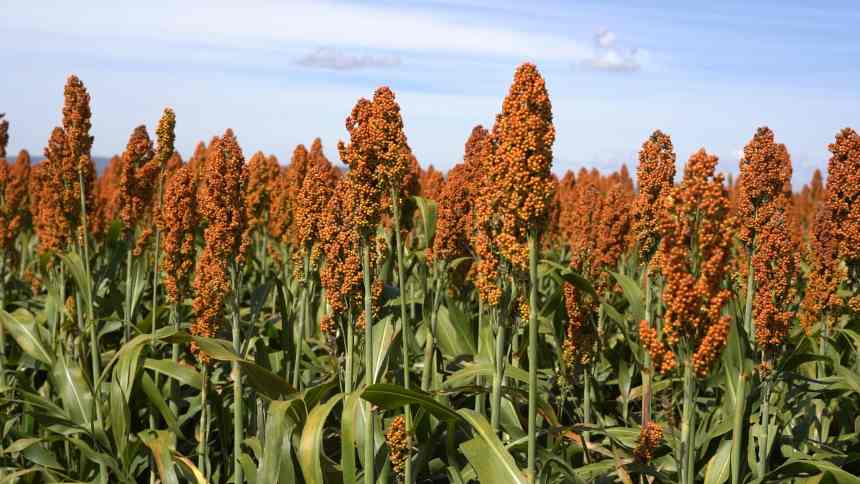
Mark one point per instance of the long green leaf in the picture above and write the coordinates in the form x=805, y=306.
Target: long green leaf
x=185, y=375
x=157, y=399
x=485, y=452
x=719, y=467
x=74, y=390
x=24, y=329
x=633, y=294
x=161, y=445
x=311, y=444
x=276, y=464
x=390, y=396
x=348, y=425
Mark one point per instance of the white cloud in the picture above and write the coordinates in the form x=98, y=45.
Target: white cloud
x=608, y=57
x=299, y=24
x=606, y=39
x=332, y=58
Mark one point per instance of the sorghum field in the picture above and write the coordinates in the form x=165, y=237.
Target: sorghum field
x=228, y=319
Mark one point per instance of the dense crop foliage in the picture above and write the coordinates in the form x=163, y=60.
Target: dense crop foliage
x=230, y=319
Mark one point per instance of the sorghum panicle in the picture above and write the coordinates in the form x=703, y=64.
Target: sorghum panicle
x=432, y=183
x=519, y=189
x=821, y=300
x=843, y=198
x=15, y=211
x=764, y=204
x=222, y=207
x=397, y=440
x=316, y=191
x=580, y=335
x=262, y=172
x=180, y=221
x=656, y=176
x=138, y=179
x=697, y=211
x=650, y=438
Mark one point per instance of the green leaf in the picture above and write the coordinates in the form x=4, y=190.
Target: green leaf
x=74, y=390
x=161, y=443
x=23, y=328
x=427, y=208
x=719, y=466
x=82, y=279
x=155, y=396
x=120, y=415
x=451, y=336
x=276, y=465
x=185, y=375
x=393, y=396
x=485, y=452
x=383, y=335
x=262, y=380
x=633, y=294
x=567, y=275
x=348, y=425
x=311, y=444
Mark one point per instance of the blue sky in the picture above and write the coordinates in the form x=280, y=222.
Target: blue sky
x=282, y=73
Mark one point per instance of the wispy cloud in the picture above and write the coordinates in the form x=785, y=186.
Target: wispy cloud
x=609, y=57
x=335, y=59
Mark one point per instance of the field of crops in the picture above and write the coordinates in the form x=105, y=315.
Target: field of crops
x=230, y=319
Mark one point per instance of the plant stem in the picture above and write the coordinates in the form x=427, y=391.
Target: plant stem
x=128, y=294
x=586, y=409
x=688, y=425
x=368, y=361
x=430, y=344
x=174, y=354
x=238, y=428
x=350, y=327
x=533, y=354
x=481, y=399
x=748, y=307
x=498, y=354
x=204, y=422
x=764, y=448
x=647, y=370
x=94, y=342
x=303, y=313
x=821, y=367
x=405, y=331
x=738, y=426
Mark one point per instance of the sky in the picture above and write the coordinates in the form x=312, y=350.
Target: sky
x=282, y=73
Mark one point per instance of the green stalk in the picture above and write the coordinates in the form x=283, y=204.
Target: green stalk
x=821, y=368
x=586, y=409
x=404, y=325
x=764, y=449
x=533, y=352
x=95, y=355
x=688, y=425
x=238, y=428
x=738, y=427
x=499, y=355
x=303, y=312
x=481, y=399
x=2, y=308
x=748, y=307
x=153, y=329
x=429, y=345
x=368, y=360
x=201, y=438
x=174, y=354
x=350, y=324
x=647, y=370
x=128, y=294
